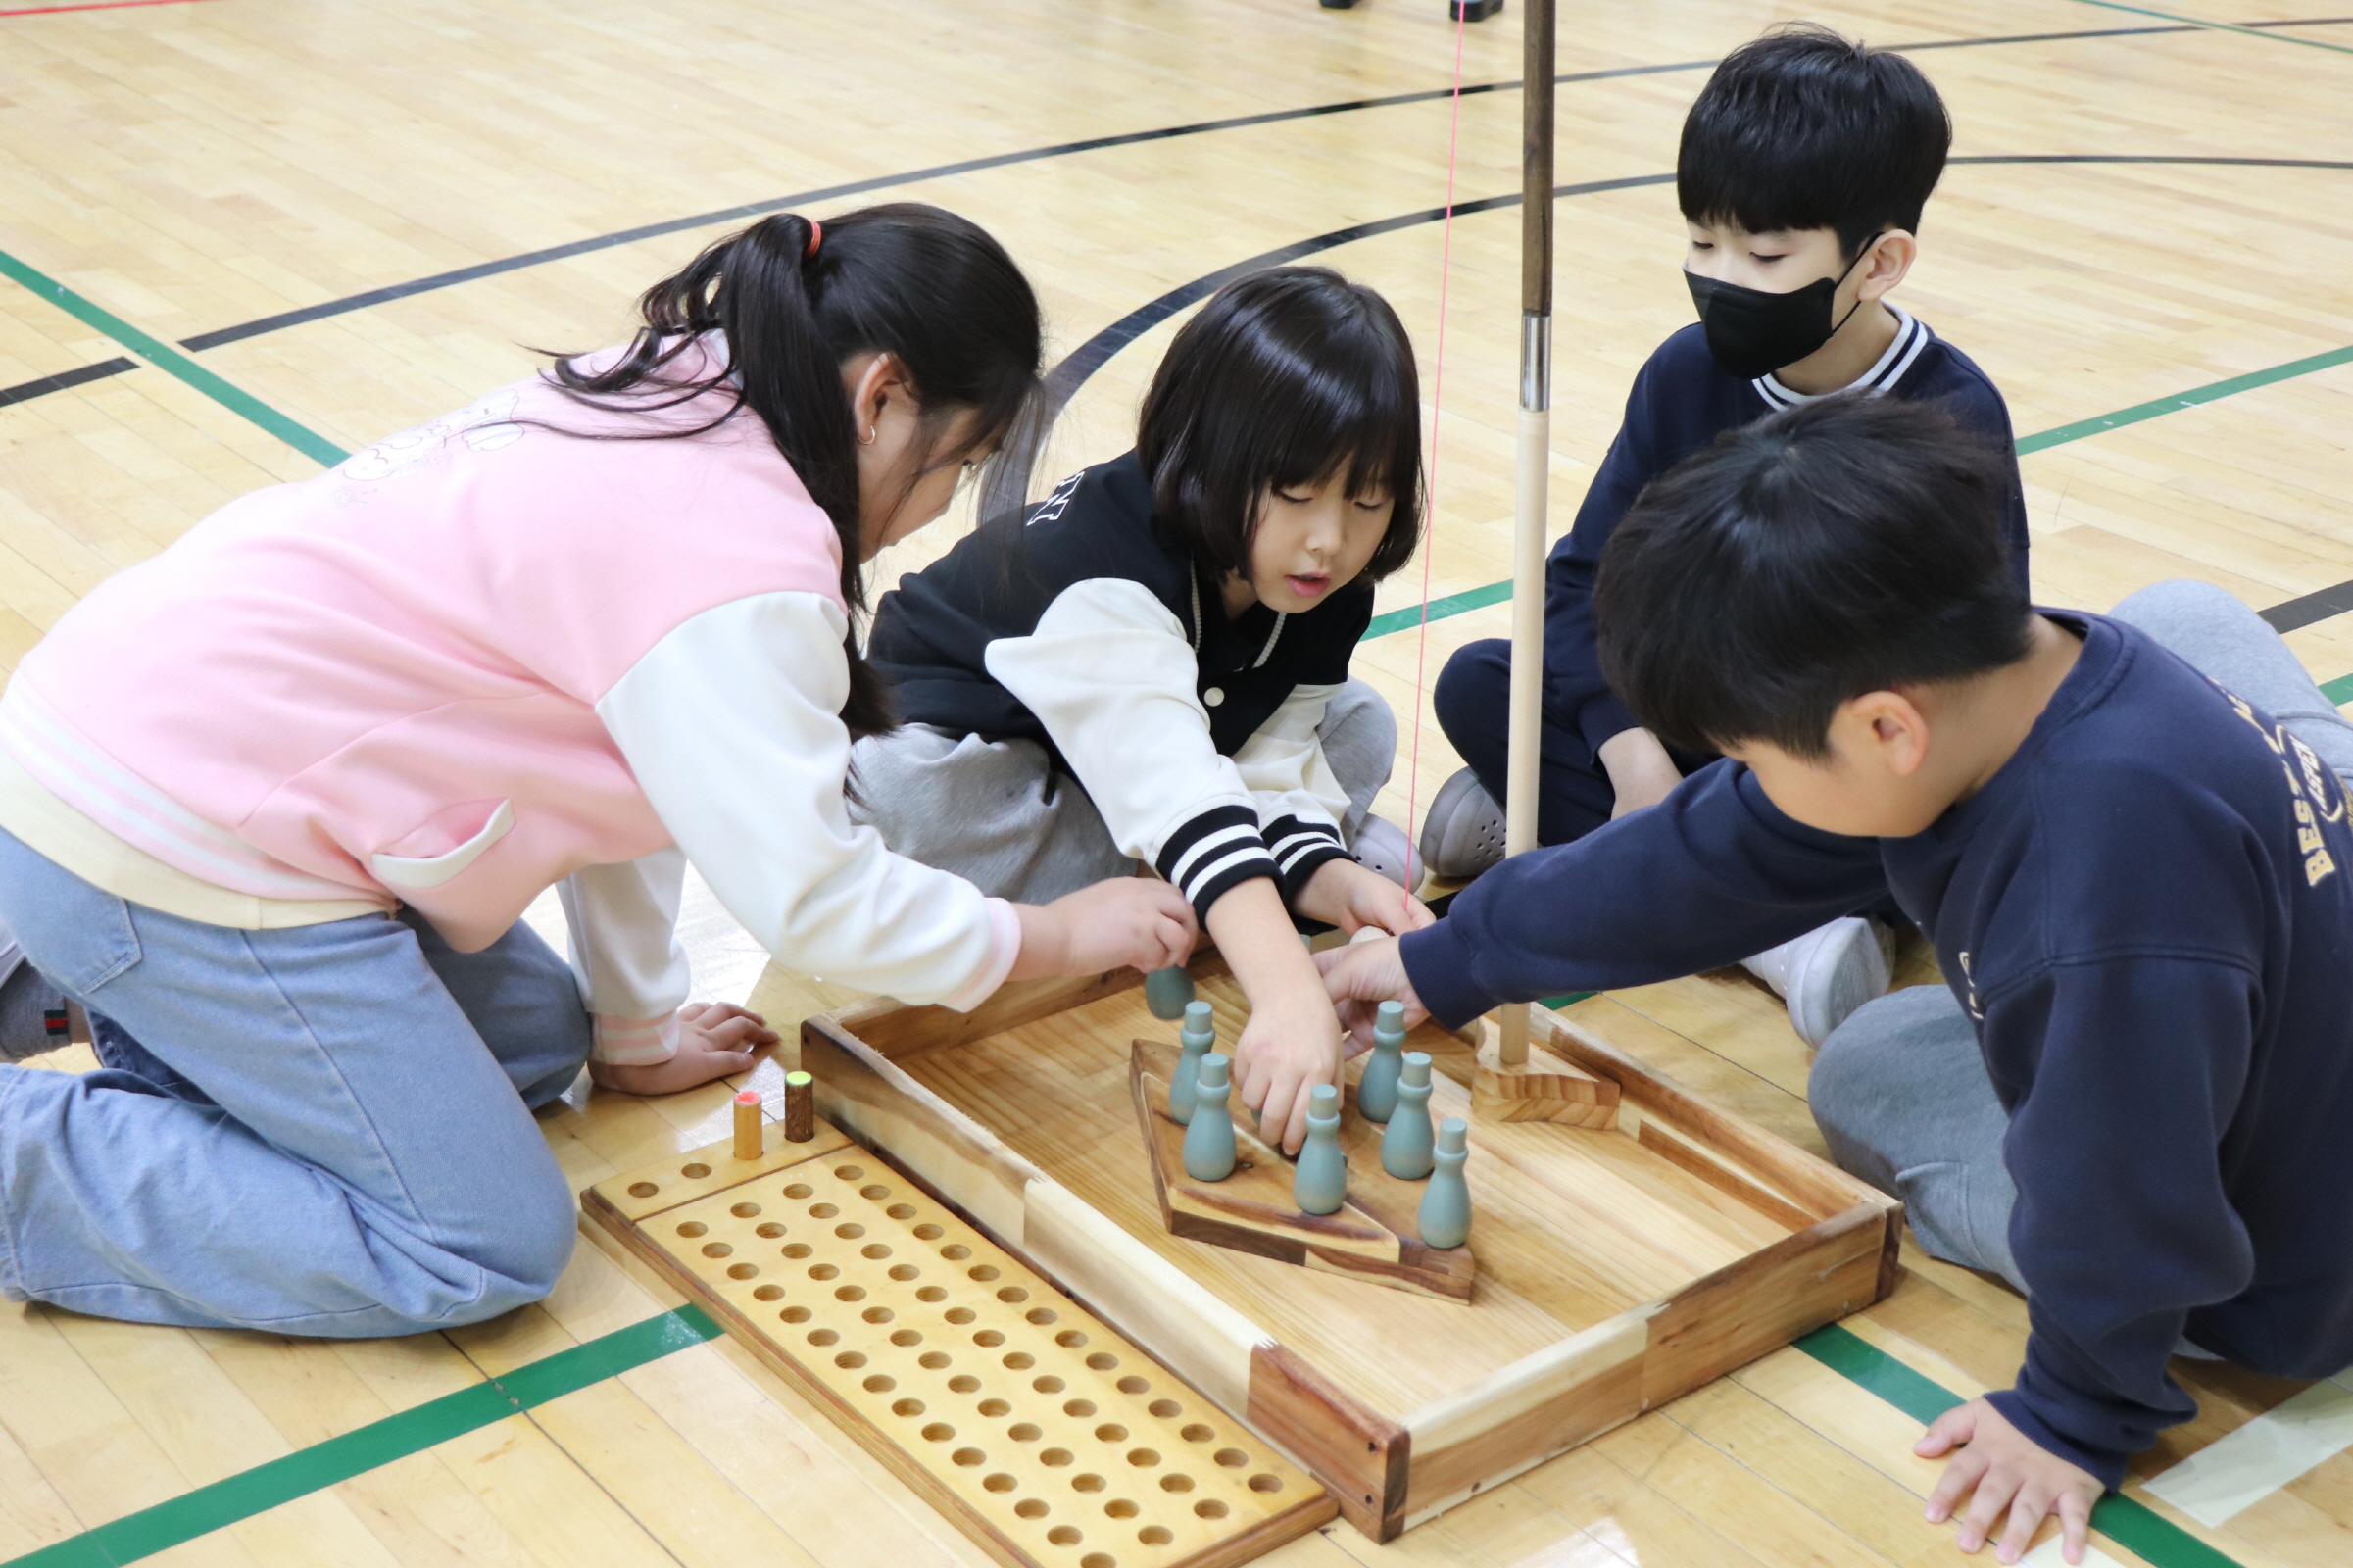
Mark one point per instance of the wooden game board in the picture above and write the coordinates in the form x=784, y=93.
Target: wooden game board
x=1617, y=1267
x=1045, y=1436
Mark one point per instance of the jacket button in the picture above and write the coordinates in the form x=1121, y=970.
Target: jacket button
x=1213, y=696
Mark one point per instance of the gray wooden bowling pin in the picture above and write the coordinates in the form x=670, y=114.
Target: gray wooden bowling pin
x=1445, y=1217
x=1405, y=1145
x=1210, y=1136
x=1321, y=1180
x=1167, y=992
x=1200, y=1034
x=1376, y=1089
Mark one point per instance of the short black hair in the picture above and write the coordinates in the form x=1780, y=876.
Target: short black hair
x=1850, y=544
x=1288, y=376
x=1802, y=128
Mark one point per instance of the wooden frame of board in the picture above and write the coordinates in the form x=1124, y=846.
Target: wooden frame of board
x=1807, y=1244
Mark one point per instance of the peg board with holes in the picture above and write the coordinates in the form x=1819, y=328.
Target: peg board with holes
x=1040, y=1430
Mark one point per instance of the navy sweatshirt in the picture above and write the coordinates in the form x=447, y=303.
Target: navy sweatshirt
x=1681, y=402
x=2149, y=914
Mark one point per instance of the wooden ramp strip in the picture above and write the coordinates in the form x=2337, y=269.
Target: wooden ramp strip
x=379, y=1443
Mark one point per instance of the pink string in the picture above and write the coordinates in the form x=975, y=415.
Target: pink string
x=1437, y=387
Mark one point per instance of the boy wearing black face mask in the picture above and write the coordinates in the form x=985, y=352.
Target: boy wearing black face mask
x=1804, y=167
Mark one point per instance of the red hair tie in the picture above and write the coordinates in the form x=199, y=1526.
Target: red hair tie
x=816, y=233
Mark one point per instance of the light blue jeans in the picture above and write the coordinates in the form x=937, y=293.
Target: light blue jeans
x=324, y=1130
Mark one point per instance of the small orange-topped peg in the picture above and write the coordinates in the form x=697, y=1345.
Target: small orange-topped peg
x=749, y=1134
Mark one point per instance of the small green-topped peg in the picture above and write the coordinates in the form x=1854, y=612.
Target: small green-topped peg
x=1320, y=1182
x=1210, y=1136
x=1200, y=1034
x=1376, y=1089
x=1445, y=1214
x=1405, y=1145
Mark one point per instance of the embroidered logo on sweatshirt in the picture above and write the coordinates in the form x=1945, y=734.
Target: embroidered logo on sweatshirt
x=1968, y=984
x=484, y=426
x=2309, y=798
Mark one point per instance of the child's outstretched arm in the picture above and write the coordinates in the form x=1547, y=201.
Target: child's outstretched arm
x=1292, y=1041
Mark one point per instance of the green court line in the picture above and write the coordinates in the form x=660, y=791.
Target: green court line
x=1496, y=593
x=2217, y=26
x=2338, y=690
x=1405, y=619
x=363, y=1448
x=163, y=356
x=2185, y=400
x=2122, y=1519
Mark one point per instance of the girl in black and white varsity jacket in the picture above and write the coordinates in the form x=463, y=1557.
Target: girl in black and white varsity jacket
x=1153, y=664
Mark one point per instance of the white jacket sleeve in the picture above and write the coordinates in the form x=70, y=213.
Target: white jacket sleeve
x=1111, y=675
x=624, y=947
x=1300, y=803
x=732, y=726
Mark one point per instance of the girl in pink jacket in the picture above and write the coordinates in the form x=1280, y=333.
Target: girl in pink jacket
x=272, y=803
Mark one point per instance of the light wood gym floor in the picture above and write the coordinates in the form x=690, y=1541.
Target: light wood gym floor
x=350, y=216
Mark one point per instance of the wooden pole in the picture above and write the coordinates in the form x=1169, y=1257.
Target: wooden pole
x=1521, y=771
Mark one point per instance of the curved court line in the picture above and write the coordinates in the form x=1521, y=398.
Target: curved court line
x=1065, y=378
x=283, y=319
x=2214, y=27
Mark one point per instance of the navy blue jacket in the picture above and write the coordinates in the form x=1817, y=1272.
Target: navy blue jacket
x=1681, y=402
x=2149, y=913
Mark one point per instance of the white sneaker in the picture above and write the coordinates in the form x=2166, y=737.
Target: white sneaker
x=1827, y=973
x=1381, y=845
x=1463, y=834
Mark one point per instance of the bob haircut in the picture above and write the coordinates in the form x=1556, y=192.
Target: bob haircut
x=1290, y=377
x=1844, y=546
x=1802, y=129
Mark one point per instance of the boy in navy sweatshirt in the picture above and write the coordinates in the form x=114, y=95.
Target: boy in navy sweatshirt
x=1804, y=167
x=2125, y=837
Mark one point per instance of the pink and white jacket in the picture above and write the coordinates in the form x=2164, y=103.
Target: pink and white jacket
x=487, y=655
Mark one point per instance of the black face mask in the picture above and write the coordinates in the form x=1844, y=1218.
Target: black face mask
x=1753, y=333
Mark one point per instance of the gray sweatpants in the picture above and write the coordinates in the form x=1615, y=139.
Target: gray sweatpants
x=1000, y=814
x=1899, y=1089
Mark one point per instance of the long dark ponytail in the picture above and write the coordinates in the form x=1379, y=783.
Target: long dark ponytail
x=932, y=290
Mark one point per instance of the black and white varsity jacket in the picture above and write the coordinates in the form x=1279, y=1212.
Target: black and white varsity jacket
x=1085, y=627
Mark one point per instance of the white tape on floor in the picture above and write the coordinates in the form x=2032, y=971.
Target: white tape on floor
x=2047, y=1556
x=2251, y=1463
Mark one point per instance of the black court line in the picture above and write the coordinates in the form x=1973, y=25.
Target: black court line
x=2310, y=609
x=581, y=247
x=23, y=391
x=1068, y=377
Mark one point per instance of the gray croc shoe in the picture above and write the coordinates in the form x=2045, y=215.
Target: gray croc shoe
x=1380, y=847
x=1463, y=834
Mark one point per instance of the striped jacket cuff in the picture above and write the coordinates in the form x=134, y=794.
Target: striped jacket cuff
x=1218, y=850
x=1298, y=848
x=635, y=1042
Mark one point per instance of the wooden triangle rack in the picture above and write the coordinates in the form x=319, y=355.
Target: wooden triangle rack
x=1371, y=1237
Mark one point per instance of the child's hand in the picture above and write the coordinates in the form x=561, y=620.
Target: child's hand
x=1362, y=976
x=1127, y=922
x=1347, y=894
x=715, y=1039
x=2009, y=1472
x=1291, y=1044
